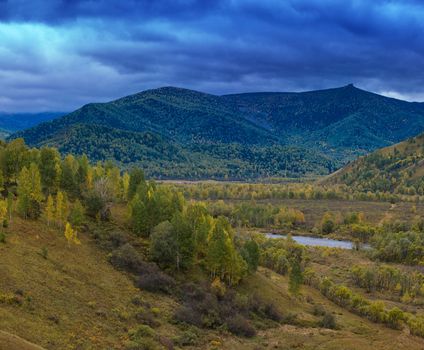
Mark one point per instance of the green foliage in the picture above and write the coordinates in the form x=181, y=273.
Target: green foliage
x=29, y=192
x=251, y=255
x=77, y=214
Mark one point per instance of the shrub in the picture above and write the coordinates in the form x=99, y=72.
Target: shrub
x=146, y=317
x=186, y=314
x=156, y=281
x=328, y=321
x=318, y=310
x=187, y=338
x=238, y=325
x=2, y=237
x=272, y=312
x=126, y=258
x=117, y=239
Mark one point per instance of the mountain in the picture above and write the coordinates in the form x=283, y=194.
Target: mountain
x=239, y=136
x=344, y=122
x=396, y=169
x=11, y=122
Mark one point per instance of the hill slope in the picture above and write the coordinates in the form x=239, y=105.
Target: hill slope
x=240, y=136
x=397, y=169
x=75, y=299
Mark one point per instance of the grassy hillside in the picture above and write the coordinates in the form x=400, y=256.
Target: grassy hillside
x=396, y=169
x=243, y=136
x=74, y=299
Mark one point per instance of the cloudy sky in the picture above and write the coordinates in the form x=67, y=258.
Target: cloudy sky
x=58, y=55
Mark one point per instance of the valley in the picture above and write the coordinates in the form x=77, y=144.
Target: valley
x=97, y=258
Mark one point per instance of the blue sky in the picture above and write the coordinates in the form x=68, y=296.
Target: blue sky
x=59, y=55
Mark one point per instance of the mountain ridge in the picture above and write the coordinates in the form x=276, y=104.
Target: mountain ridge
x=336, y=125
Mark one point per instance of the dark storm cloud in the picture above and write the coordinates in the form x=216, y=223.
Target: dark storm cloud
x=60, y=54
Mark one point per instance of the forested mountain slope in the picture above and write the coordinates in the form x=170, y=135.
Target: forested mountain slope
x=241, y=136
x=398, y=169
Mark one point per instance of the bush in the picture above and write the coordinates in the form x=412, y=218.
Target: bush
x=187, y=338
x=146, y=317
x=186, y=314
x=2, y=237
x=238, y=325
x=156, y=281
x=126, y=258
x=271, y=312
x=328, y=321
x=117, y=239
x=318, y=310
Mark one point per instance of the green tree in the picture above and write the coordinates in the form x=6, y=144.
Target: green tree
x=136, y=178
x=50, y=169
x=251, y=255
x=29, y=192
x=163, y=245
x=68, y=175
x=77, y=214
x=220, y=249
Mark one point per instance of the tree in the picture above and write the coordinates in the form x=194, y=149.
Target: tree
x=61, y=211
x=251, y=254
x=3, y=213
x=219, y=249
x=185, y=241
x=14, y=158
x=71, y=235
x=68, y=175
x=49, y=211
x=10, y=198
x=136, y=178
x=77, y=214
x=50, y=169
x=163, y=245
x=82, y=175
x=29, y=192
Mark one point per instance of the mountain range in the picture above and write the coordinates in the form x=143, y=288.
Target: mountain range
x=179, y=133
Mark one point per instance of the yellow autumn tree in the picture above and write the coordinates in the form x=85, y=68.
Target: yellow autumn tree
x=71, y=235
x=3, y=212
